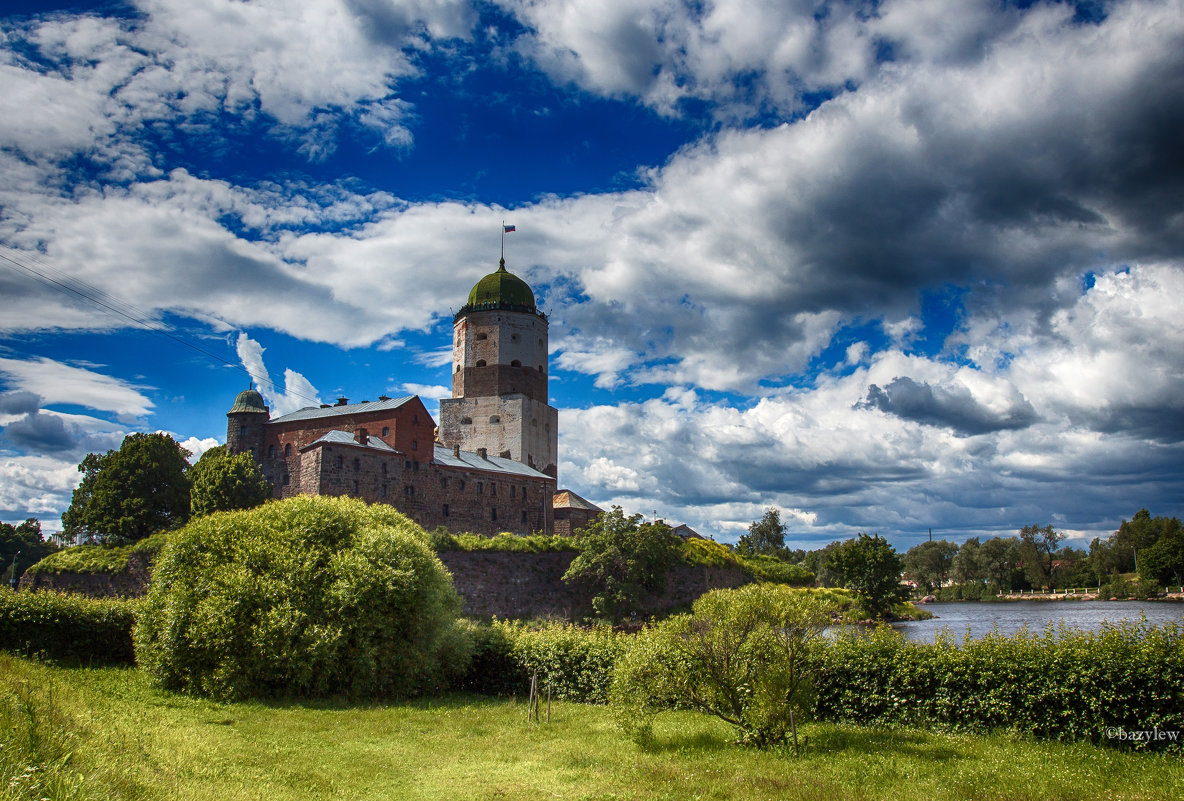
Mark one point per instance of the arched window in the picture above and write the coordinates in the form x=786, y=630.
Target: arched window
x=480, y=363
x=287, y=449
x=270, y=451
x=493, y=418
x=386, y=431
x=515, y=363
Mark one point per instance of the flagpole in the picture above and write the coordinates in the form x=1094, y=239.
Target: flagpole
x=503, y=253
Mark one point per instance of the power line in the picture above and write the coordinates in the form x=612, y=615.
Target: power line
x=77, y=287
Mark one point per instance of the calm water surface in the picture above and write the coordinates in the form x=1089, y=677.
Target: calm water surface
x=1008, y=617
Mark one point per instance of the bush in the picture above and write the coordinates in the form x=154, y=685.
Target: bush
x=67, y=627
x=770, y=569
x=98, y=558
x=743, y=655
x=309, y=596
x=575, y=663
x=443, y=540
x=1060, y=684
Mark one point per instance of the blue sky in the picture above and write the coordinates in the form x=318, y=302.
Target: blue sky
x=886, y=266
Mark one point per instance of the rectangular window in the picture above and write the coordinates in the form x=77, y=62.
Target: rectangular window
x=492, y=489
x=446, y=510
x=480, y=488
x=512, y=490
x=493, y=514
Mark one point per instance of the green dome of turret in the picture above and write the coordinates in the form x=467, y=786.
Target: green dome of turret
x=248, y=401
x=501, y=290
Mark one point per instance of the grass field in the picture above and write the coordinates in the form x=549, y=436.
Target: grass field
x=106, y=733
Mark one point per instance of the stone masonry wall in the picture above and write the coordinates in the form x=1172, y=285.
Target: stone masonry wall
x=491, y=583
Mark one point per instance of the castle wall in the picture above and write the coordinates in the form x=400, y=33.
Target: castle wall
x=491, y=583
x=515, y=427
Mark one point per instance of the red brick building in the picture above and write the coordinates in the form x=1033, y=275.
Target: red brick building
x=490, y=469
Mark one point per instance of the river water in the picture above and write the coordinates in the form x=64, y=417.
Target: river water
x=1008, y=617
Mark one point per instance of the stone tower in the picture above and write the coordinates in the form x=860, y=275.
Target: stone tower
x=499, y=376
x=246, y=423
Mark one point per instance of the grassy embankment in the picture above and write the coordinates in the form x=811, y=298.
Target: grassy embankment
x=108, y=734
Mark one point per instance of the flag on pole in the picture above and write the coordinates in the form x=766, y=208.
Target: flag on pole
x=508, y=229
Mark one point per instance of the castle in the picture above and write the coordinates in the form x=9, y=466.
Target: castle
x=489, y=467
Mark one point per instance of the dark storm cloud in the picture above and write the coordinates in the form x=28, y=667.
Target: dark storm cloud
x=954, y=407
x=41, y=433
x=19, y=402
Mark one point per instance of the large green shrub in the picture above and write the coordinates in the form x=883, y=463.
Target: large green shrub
x=67, y=627
x=301, y=597
x=742, y=655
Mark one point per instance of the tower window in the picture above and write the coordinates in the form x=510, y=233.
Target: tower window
x=480, y=363
x=513, y=337
x=386, y=431
x=515, y=363
x=466, y=421
x=540, y=368
x=493, y=418
x=383, y=491
x=242, y=431
x=482, y=336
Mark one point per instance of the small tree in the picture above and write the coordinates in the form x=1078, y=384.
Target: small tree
x=929, y=562
x=871, y=567
x=765, y=537
x=620, y=559
x=21, y=546
x=742, y=655
x=223, y=482
x=1038, y=549
x=128, y=494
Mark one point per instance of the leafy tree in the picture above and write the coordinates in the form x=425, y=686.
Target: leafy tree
x=128, y=494
x=998, y=558
x=742, y=655
x=223, y=482
x=1038, y=549
x=965, y=567
x=871, y=567
x=308, y=597
x=620, y=559
x=818, y=563
x=929, y=562
x=765, y=537
x=21, y=546
x=1164, y=561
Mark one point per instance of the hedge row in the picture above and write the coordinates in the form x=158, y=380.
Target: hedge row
x=1060, y=684
x=575, y=663
x=67, y=627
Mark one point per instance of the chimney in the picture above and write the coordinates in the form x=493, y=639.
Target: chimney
x=343, y=401
x=362, y=436
x=482, y=453
x=456, y=451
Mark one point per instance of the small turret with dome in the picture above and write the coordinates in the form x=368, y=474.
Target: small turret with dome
x=246, y=422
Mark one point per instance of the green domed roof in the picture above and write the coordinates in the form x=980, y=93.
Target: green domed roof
x=248, y=401
x=502, y=289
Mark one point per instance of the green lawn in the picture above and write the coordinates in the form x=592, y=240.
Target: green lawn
x=111, y=735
